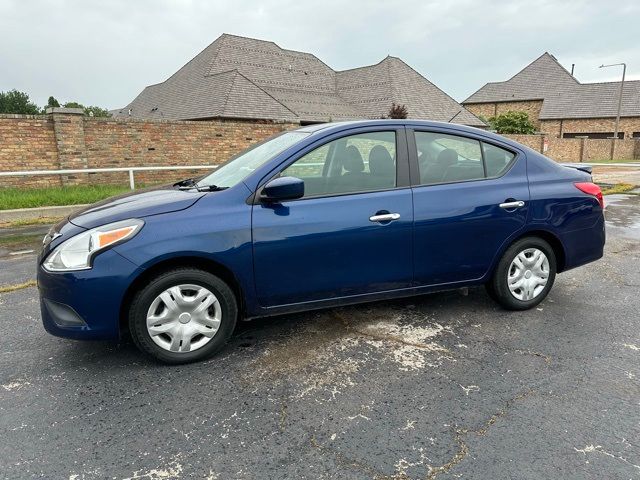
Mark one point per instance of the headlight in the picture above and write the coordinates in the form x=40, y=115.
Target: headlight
x=78, y=252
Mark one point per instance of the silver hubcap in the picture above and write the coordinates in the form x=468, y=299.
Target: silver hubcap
x=528, y=274
x=184, y=318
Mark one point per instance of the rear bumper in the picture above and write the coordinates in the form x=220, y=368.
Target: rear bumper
x=86, y=304
x=584, y=245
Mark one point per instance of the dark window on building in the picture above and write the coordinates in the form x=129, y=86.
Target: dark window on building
x=636, y=134
x=593, y=135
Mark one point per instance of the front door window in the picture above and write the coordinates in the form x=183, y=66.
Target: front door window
x=358, y=163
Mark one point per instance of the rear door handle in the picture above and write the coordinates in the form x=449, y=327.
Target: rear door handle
x=385, y=217
x=514, y=204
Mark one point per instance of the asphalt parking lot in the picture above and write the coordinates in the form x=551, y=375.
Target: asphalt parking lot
x=440, y=386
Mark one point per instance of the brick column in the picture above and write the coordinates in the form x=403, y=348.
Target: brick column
x=68, y=128
x=584, y=156
x=543, y=137
x=613, y=149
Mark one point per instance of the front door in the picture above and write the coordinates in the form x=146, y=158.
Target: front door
x=349, y=235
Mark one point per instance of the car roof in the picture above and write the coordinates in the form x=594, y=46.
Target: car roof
x=333, y=127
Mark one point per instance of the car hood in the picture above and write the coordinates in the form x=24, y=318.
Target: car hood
x=135, y=205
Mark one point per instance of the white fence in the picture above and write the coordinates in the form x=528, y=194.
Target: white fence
x=131, y=170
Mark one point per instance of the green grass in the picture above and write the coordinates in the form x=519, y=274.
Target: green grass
x=618, y=188
x=11, y=197
x=28, y=222
x=18, y=241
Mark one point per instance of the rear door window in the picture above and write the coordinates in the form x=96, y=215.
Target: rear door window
x=444, y=158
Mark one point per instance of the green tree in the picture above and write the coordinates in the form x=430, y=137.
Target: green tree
x=14, y=101
x=52, y=102
x=94, y=111
x=91, y=111
x=73, y=105
x=512, y=122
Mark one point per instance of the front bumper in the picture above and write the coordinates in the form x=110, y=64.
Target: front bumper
x=86, y=304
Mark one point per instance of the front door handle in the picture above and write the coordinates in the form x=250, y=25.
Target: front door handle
x=510, y=205
x=384, y=217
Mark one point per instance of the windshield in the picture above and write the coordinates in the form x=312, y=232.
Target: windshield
x=242, y=165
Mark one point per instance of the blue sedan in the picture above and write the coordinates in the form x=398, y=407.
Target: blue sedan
x=323, y=216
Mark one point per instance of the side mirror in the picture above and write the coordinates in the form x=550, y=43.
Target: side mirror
x=282, y=188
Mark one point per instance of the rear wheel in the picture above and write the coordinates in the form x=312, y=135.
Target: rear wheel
x=524, y=275
x=182, y=316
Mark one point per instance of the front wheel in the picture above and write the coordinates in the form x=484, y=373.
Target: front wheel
x=524, y=275
x=183, y=315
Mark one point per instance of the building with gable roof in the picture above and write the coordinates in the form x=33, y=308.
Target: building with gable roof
x=243, y=78
x=559, y=104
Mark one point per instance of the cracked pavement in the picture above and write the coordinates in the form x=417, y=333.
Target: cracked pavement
x=439, y=386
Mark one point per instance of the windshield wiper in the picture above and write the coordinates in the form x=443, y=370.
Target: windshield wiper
x=209, y=188
x=187, y=182
x=191, y=183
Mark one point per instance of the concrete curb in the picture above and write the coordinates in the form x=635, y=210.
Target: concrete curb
x=613, y=164
x=33, y=213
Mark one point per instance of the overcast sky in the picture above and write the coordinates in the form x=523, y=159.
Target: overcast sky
x=104, y=52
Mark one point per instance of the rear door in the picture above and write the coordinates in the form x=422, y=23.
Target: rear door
x=469, y=197
x=350, y=234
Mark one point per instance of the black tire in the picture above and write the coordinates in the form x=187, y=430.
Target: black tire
x=143, y=299
x=498, y=288
x=491, y=291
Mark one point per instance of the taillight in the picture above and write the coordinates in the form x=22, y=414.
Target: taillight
x=591, y=189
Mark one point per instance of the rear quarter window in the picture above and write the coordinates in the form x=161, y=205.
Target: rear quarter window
x=496, y=159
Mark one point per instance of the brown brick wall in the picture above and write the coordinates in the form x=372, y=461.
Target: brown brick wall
x=599, y=149
x=551, y=127
x=531, y=141
x=589, y=125
x=484, y=110
x=123, y=143
x=27, y=142
x=626, y=149
x=580, y=149
x=59, y=140
x=564, y=149
x=63, y=141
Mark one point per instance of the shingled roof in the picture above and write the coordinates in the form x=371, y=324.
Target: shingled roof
x=563, y=96
x=239, y=77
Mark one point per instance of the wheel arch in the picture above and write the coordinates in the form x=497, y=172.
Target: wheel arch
x=549, y=237
x=193, y=261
